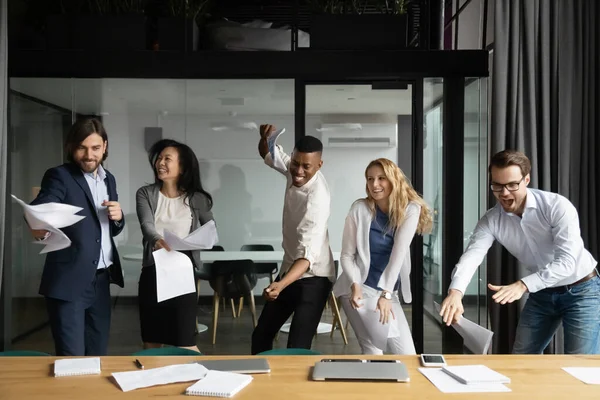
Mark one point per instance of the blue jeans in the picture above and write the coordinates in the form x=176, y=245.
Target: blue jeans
x=577, y=308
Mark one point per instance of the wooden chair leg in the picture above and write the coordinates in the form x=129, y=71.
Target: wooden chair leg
x=336, y=309
x=233, y=308
x=241, y=306
x=215, y=316
x=253, y=309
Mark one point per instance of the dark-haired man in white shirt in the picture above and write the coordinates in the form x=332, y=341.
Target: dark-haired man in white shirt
x=541, y=229
x=307, y=270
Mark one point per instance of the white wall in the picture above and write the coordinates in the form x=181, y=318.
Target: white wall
x=248, y=196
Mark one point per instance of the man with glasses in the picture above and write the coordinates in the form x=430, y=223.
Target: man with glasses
x=541, y=229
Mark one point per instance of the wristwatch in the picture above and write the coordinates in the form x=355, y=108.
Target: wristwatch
x=386, y=295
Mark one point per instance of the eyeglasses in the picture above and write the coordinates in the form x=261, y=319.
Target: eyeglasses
x=511, y=186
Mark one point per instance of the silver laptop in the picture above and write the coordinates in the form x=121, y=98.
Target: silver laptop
x=378, y=370
x=242, y=365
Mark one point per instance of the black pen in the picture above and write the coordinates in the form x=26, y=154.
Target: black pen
x=139, y=364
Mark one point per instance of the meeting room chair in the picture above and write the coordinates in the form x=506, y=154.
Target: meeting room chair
x=23, y=353
x=232, y=279
x=262, y=269
x=167, y=351
x=335, y=310
x=289, y=352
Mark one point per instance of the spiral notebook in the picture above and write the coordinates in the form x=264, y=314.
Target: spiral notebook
x=219, y=384
x=475, y=374
x=77, y=366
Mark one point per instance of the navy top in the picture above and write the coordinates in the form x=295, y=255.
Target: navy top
x=381, y=242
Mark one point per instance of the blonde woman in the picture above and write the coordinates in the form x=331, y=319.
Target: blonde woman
x=375, y=256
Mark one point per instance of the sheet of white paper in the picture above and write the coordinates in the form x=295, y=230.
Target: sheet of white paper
x=275, y=156
x=589, y=375
x=369, y=314
x=51, y=217
x=131, y=380
x=174, y=274
x=475, y=337
x=447, y=384
x=205, y=237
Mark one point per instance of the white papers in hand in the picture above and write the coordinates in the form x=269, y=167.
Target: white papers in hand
x=275, y=156
x=174, y=274
x=447, y=384
x=159, y=376
x=475, y=337
x=589, y=375
x=50, y=217
x=377, y=331
x=205, y=237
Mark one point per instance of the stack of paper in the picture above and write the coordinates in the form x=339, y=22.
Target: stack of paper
x=77, y=366
x=159, y=376
x=466, y=379
x=51, y=217
x=589, y=375
x=275, y=156
x=219, y=384
x=174, y=270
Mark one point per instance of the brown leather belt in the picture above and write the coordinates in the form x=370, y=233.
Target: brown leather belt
x=566, y=288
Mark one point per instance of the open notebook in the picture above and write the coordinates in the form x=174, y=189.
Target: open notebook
x=77, y=366
x=219, y=384
x=475, y=374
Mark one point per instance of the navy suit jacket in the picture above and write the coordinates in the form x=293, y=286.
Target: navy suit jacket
x=68, y=272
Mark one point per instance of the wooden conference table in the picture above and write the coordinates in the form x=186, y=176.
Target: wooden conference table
x=532, y=377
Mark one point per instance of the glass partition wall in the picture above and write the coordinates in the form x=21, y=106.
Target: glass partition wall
x=217, y=118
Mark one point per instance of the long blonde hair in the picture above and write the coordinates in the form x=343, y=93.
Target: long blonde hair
x=402, y=194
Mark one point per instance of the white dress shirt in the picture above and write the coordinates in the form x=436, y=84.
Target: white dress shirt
x=356, y=255
x=99, y=191
x=305, y=215
x=546, y=240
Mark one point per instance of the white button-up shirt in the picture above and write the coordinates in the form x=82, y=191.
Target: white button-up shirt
x=305, y=215
x=99, y=190
x=546, y=240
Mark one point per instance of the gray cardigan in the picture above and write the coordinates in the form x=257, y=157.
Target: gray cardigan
x=146, y=203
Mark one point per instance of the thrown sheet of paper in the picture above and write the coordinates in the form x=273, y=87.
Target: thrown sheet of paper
x=275, y=156
x=131, y=380
x=475, y=337
x=174, y=274
x=588, y=375
x=205, y=237
x=378, y=332
x=447, y=384
x=50, y=217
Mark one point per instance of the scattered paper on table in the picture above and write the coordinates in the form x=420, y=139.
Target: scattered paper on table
x=447, y=384
x=50, y=217
x=205, y=237
x=475, y=337
x=131, y=380
x=275, y=156
x=174, y=274
x=589, y=375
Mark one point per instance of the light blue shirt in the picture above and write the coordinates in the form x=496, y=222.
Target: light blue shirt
x=546, y=240
x=99, y=195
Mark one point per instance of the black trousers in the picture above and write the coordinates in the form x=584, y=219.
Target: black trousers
x=306, y=299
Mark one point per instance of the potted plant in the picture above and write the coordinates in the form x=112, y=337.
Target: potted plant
x=178, y=29
x=359, y=24
x=111, y=25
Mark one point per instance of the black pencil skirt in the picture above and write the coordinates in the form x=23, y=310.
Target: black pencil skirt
x=171, y=322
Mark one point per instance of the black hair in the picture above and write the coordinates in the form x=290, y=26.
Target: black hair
x=80, y=130
x=309, y=144
x=189, y=181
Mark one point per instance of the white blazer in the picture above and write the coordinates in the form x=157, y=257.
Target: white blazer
x=355, y=258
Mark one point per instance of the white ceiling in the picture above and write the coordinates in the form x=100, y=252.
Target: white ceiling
x=210, y=97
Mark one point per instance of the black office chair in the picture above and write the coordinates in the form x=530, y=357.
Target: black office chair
x=232, y=279
x=203, y=273
x=262, y=269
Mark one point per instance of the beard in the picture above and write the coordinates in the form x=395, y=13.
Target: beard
x=88, y=165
